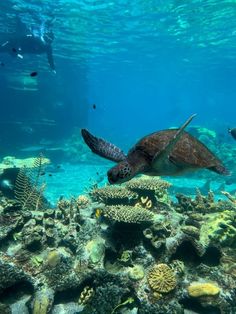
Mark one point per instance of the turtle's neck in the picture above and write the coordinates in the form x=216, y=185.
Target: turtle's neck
x=138, y=161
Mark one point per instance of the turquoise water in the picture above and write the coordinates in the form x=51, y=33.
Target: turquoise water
x=69, y=241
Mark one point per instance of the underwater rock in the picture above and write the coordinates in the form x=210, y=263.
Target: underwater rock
x=136, y=272
x=199, y=289
x=96, y=250
x=68, y=308
x=20, y=306
x=11, y=274
x=43, y=301
x=5, y=309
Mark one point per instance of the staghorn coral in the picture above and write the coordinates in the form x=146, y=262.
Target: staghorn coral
x=128, y=214
x=111, y=195
x=161, y=278
x=202, y=204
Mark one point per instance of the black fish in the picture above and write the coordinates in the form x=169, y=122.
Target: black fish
x=2, y=64
x=32, y=74
x=94, y=106
x=233, y=132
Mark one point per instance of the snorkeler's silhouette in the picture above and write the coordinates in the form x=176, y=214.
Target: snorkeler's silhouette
x=30, y=40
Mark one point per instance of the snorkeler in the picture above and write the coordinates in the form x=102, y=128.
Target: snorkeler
x=31, y=40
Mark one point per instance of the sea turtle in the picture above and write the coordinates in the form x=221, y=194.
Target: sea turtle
x=168, y=152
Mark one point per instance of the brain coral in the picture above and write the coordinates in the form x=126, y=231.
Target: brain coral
x=128, y=214
x=162, y=279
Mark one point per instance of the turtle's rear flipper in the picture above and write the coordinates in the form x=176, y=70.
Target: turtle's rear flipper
x=162, y=158
x=102, y=148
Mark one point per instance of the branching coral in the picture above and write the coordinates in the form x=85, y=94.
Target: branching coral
x=162, y=279
x=113, y=195
x=128, y=214
x=202, y=204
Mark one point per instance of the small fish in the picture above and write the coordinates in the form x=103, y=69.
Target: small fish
x=43, y=173
x=33, y=74
x=98, y=213
x=94, y=106
x=14, y=50
x=2, y=64
x=50, y=175
x=232, y=132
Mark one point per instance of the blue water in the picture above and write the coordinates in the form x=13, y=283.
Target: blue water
x=146, y=65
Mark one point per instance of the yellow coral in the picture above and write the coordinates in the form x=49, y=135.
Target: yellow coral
x=198, y=289
x=162, y=279
x=144, y=202
x=86, y=295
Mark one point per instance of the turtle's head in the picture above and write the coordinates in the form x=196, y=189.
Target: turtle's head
x=122, y=172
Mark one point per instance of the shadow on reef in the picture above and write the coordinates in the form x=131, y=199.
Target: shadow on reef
x=188, y=254
x=118, y=250
x=195, y=307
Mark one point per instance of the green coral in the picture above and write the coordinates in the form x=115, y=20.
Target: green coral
x=219, y=228
x=128, y=214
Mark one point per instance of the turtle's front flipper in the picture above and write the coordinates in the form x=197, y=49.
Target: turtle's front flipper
x=102, y=148
x=162, y=158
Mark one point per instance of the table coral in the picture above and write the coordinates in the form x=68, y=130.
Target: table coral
x=128, y=214
x=111, y=195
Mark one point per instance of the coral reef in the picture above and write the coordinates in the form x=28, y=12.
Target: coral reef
x=121, y=250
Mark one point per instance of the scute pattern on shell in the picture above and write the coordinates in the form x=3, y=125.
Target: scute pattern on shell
x=162, y=279
x=187, y=151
